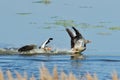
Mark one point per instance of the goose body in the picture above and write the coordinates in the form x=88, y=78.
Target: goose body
x=78, y=42
x=33, y=48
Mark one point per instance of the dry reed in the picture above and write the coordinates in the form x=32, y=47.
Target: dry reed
x=45, y=75
x=114, y=76
x=1, y=75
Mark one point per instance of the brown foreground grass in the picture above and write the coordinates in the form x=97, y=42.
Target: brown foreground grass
x=45, y=75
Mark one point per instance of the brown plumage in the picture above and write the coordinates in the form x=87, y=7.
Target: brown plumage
x=27, y=48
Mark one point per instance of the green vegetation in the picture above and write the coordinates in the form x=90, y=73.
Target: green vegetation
x=65, y=23
x=114, y=28
x=70, y=23
x=47, y=27
x=86, y=25
x=104, y=22
x=104, y=33
x=98, y=26
x=43, y=1
x=54, y=17
x=23, y=13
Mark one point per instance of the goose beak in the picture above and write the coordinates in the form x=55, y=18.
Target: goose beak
x=88, y=41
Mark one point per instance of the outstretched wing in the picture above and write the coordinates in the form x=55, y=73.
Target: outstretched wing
x=46, y=42
x=78, y=34
x=71, y=36
x=70, y=33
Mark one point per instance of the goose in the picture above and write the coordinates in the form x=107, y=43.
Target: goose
x=45, y=43
x=78, y=42
x=33, y=48
x=27, y=48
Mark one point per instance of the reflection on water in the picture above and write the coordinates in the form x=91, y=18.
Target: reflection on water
x=76, y=63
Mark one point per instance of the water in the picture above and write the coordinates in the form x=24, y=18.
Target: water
x=32, y=22
x=103, y=66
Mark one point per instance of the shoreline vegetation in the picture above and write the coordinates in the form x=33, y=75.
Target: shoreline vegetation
x=46, y=75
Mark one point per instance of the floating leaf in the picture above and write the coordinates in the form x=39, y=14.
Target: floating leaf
x=84, y=25
x=98, y=26
x=54, y=17
x=23, y=13
x=104, y=22
x=65, y=23
x=43, y=1
x=114, y=28
x=47, y=27
x=104, y=33
x=37, y=2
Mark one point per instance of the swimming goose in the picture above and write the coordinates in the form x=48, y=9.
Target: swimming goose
x=27, y=48
x=33, y=48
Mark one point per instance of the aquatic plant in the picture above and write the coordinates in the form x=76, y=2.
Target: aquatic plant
x=43, y=1
x=86, y=25
x=98, y=26
x=47, y=27
x=104, y=33
x=65, y=23
x=23, y=13
x=45, y=75
x=70, y=23
x=114, y=28
x=54, y=17
x=105, y=22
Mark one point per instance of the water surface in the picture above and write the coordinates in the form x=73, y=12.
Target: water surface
x=103, y=66
x=32, y=22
